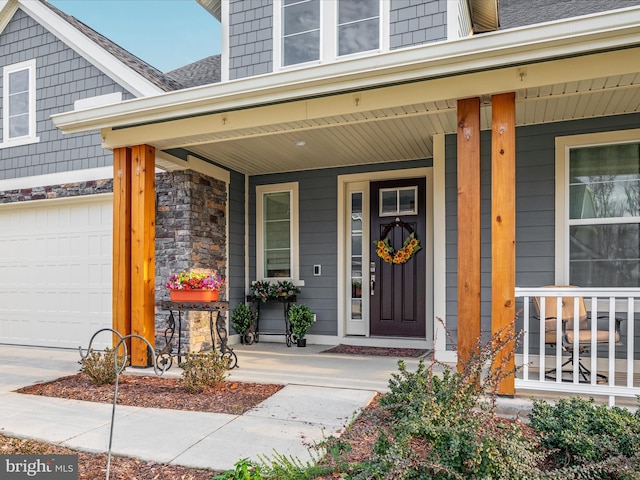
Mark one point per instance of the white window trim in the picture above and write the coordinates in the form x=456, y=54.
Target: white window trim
x=563, y=147
x=261, y=190
x=328, y=35
x=31, y=137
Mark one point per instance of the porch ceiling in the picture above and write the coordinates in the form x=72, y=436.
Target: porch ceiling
x=398, y=133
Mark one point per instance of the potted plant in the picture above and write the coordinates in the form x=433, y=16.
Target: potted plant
x=243, y=318
x=284, y=289
x=195, y=286
x=300, y=319
x=261, y=290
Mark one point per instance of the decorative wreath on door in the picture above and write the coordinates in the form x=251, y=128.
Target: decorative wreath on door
x=392, y=256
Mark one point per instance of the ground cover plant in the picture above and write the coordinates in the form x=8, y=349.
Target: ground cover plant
x=432, y=424
x=444, y=426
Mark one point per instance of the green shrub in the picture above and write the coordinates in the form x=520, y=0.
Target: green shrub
x=242, y=318
x=577, y=431
x=300, y=318
x=203, y=370
x=443, y=426
x=101, y=367
x=244, y=469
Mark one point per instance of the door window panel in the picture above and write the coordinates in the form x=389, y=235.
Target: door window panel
x=356, y=255
x=604, y=215
x=398, y=201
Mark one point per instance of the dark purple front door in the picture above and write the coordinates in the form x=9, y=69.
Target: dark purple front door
x=398, y=294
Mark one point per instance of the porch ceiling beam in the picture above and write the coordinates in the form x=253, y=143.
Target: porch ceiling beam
x=503, y=232
x=232, y=123
x=468, y=228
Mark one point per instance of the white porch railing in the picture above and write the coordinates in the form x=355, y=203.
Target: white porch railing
x=594, y=342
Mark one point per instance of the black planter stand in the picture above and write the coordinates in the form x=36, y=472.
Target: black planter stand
x=302, y=342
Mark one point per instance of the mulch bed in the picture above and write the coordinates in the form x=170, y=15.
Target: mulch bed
x=158, y=392
x=378, y=351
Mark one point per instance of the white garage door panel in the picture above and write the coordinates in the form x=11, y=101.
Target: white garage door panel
x=55, y=271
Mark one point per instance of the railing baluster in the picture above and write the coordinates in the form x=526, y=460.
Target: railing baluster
x=543, y=350
x=630, y=340
x=525, y=340
x=594, y=298
x=594, y=348
x=612, y=340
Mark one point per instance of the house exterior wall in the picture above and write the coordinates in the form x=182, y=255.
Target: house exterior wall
x=250, y=38
x=251, y=32
x=236, y=266
x=62, y=77
x=535, y=207
x=416, y=23
x=318, y=232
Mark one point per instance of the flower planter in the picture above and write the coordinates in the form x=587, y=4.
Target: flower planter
x=302, y=342
x=194, y=295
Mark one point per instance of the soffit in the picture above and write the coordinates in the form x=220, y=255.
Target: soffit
x=399, y=133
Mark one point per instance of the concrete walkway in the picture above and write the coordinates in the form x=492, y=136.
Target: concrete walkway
x=321, y=395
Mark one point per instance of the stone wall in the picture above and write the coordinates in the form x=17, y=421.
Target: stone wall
x=190, y=235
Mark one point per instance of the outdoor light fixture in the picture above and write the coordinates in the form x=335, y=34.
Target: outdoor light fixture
x=299, y=143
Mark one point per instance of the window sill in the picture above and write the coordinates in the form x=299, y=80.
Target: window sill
x=19, y=142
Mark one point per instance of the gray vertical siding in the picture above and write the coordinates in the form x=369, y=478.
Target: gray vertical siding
x=62, y=77
x=415, y=22
x=250, y=38
x=535, y=207
x=236, y=239
x=318, y=214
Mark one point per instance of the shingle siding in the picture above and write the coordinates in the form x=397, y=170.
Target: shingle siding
x=62, y=77
x=415, y=22
x=250, y=38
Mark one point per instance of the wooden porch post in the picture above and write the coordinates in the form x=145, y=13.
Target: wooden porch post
x=503, y=227
x=142, y=251
x=468, y=227
x=121, y=294
x=133, y=303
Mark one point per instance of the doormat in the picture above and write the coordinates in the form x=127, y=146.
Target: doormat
x=378, y=351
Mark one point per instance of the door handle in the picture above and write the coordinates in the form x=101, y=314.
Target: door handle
x=373, y=284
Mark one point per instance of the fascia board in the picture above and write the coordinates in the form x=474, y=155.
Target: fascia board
x=93, y=53
x=489, y=51
x=8, y=9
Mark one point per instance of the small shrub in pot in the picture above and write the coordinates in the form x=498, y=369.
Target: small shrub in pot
x=300, y=319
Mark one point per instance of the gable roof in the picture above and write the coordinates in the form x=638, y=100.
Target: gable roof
x=518, y=13
x=202, y=72
x=155, y=76
x=132, y=73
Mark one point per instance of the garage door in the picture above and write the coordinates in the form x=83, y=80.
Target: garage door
x=55, y=271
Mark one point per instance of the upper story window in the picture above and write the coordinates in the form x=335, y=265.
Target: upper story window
x=300, y=31
x=19, y=104
x=602, y=193
x=320, y=31
x=358, y=26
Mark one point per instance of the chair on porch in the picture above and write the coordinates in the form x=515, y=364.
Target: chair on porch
x=584, y=332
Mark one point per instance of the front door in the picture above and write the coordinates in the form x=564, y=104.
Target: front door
x=397, y=293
